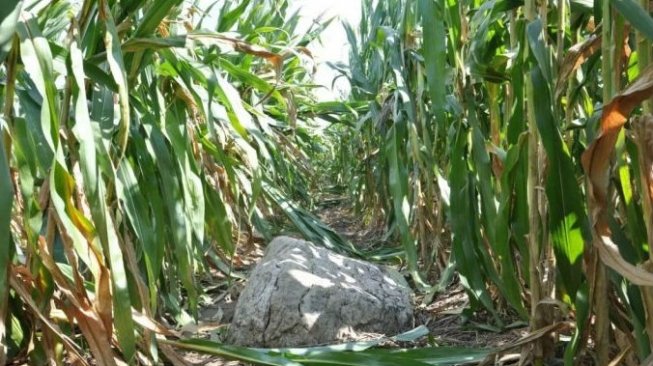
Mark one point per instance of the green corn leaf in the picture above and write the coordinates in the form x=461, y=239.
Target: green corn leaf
x=509, y=182
x=234, y=352
x=228, y=19
x=96, y=191
x=37, y=58
x=134, y=202
x=332, y=355
x=636, y=226
x=541, y=53
x=149, y=186
x=122, y=303
x=240, y=119
x=153, y=17
x=6, y=241
x=130, y=6
x=440, y=355
x=310, y=227
x=178, y=224
x=568, y=222
x=636, y=15
x=191, y=183
x=252, y=79
x=8, y=20
x=435, y=54
x=464, y=225
x=217, y=221
x=399, y=192
x=117, y=68
x=582, y=304
x=82, y=128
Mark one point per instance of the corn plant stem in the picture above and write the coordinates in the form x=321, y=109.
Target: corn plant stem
x=563, y=18
x=510, y=90
x=547, y=262
x=606, y=49
x=5, y=185
x=643, y=61
x=616, y=51
x=530, y=11
x=543, y=14
x=547, y=268
x=534, y=219
x=644, y=55
x=641, y=127
x=85, y=14
x=562, y=28
x=617, y=57
x=495, y=126
x=600, y=282
x=10, y=90
x=569, y=109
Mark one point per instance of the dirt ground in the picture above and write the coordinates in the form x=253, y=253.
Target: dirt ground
x=446, y=316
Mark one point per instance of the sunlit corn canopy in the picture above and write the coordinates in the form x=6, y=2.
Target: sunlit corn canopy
x=500, y=149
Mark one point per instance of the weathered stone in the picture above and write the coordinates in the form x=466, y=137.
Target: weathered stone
x=301, y=294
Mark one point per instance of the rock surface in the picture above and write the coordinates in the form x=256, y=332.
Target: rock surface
x=301, y=294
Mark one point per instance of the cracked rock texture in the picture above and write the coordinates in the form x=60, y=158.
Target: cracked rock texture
x=301, y=295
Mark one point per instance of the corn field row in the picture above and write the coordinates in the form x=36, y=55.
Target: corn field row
x=503, y=123
x=507, y=141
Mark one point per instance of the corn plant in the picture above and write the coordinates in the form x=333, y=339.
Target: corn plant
x=137, y=146
x=520, y=106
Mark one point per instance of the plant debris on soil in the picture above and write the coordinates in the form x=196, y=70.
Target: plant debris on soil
x=444, y=316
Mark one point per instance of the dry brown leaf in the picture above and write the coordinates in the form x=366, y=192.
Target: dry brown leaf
x=536, y=334
x=596, y=159
x=609, y=253
x=596, y=163
x=624, y=339
x=95, y=334
x=172, y=356
x=575, y=57
x=69, y=290
x=620, y=45
x=149, y=323
x=620, y=357
x=17, y=285
x=103, y=302
x=643, y=137
x=132, y=263
x=305, y=51
x=78, y=307
x=292, y=109
x=275, y=59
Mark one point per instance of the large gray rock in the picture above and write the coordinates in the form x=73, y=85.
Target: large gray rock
x=301, y=294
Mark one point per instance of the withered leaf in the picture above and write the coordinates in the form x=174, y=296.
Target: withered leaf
x=575, y=57
x=596, y=163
